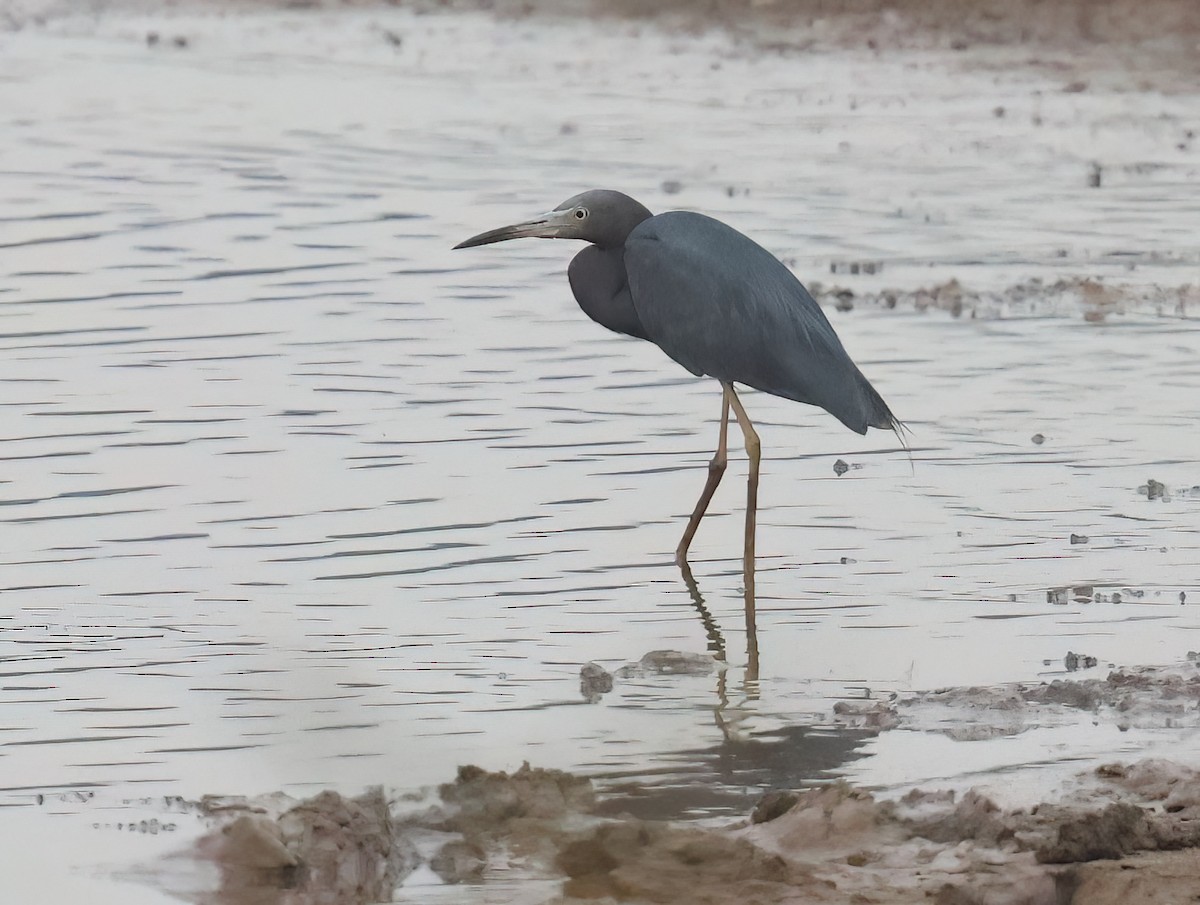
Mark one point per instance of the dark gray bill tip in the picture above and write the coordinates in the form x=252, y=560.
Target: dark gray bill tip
x=544, y=227
x=516, y=231
x=482, y=239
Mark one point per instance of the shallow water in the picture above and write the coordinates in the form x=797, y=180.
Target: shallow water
x=293, y=496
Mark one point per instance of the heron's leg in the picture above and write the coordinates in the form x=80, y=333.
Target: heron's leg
x=716, y=468
x=754, y=453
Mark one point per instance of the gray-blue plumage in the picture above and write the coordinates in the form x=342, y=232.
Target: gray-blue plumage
x=719, y=304
x=710, y=297
x=723, y=306
x=600, y=284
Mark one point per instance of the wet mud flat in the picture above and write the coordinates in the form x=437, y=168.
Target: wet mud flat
x=1120, y=832
x=1119, y=23
x=1132, y=44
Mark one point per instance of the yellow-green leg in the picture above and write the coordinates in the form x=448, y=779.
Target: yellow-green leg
x=716, y=468
x=754, y=453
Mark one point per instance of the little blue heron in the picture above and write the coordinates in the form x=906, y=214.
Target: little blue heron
x=719, y=304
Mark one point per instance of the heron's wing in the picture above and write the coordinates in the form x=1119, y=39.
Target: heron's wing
x=721, y=305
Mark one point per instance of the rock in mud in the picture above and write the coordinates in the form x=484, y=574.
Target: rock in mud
x=1073, y=661
x=1154, y=490
x=594, y=682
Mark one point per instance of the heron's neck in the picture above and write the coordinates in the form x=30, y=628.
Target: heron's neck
x=625, y=222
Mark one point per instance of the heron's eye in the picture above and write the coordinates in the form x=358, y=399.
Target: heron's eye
x=581, y=213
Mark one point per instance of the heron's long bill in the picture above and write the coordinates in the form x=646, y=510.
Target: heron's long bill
x=552, y=225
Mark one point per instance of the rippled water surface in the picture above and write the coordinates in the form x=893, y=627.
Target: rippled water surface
x=294, y=496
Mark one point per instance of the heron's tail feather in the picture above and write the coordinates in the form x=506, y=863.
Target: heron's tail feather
x=883, y=419
x=890, y=422
x=878, y=413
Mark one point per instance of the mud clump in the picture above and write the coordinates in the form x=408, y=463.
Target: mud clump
x=486, y=804
x=1073, y=662
x=833, y=817
x=774, y=804
x=327, y=849
x=459, y=861
x=1157, y=877
x=348, y=844
x=1080, y=695
x=850, y=847
x=1147, y=697
x=1120, y=829
x=1177, y=787
x=1124, y=826
x=1147, y=34
x=658, y=862
x=1091, y=299
x=1155, y=490
x=968, y=714
x=875, y=716
x=594, y=682
x=976, y=817
x=670, y=663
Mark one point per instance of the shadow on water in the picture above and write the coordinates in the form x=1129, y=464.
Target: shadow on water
x=730, y=775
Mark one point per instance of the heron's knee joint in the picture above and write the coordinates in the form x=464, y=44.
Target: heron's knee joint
x=753, y=447
x=717, y=465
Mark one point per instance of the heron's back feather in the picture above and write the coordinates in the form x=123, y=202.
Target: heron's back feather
x=721, y=305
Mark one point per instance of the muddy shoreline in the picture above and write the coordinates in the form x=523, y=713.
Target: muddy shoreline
x=1172, y=26
x=1117, y=833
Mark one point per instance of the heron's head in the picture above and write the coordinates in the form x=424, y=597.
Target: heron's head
x=601, y=216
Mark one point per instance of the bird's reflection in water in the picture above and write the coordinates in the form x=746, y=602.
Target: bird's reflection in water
x=727, y=719
x=728, y=776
